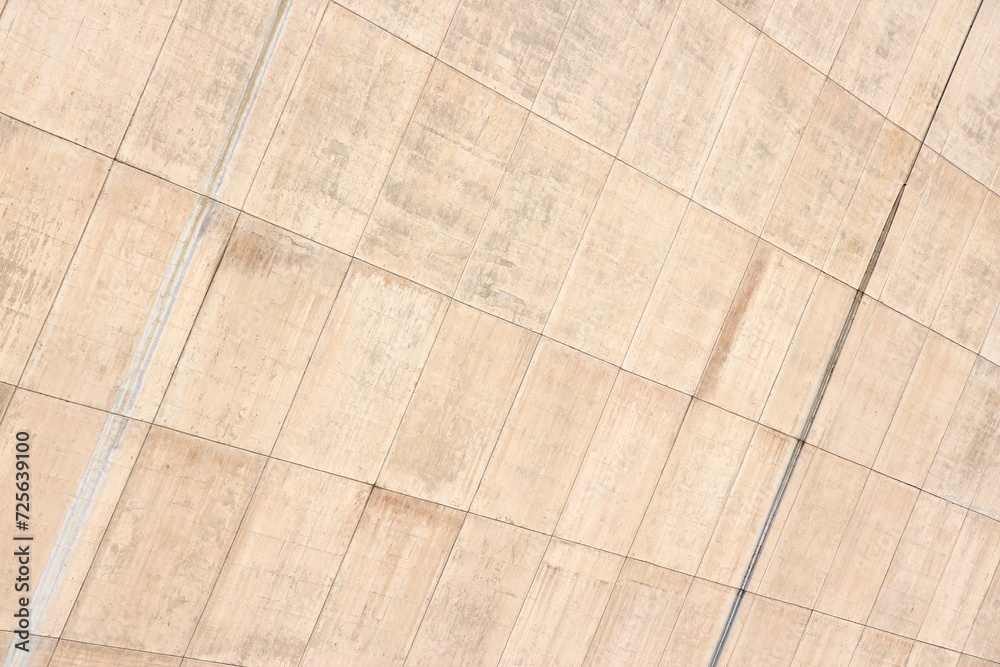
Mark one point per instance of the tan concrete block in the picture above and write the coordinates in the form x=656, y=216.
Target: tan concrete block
x=280, y=568
x=6, y=392
x=758, y=138
x=639, y=616
x=991, y=346
x=76, y=654
x=599, y=71
x=564, y=606
x=422, y=23
x=78, y=71
x=864, y=555
x=690, y=301
x=478, y=599
x=771, y=632
x=983, y=637
x=745, y=511
x=824, y=174
x=545, y=438
x=693, y=488
x=812, y=31
x=805, y=363
x=47, y=191
x=362, y=374
x=928, y=402
x=619, y=472
x=925, y=655
x=615, y=269
x=253, y=337
x=855, y=416
x=458, y=408
x=340, y=129
x=442, y=181
x=506, y=45
x=972, y=661
x=757, y=332
x=916, y=568
x=964, y=583
x=105, y=316
x=41, y=649
x=880, y=649
x=63, y=439
x=688, y=94
x=827, y=642
x=968, y=450
x=185, y=495
x=534, y=225
x=806, y=546
x=698, y=626
x=385, y=583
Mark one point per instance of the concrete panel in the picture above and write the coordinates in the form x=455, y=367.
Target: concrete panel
x=616, y=266
x=688, y=94
x=752, y=11
x=458, y=408
x=101, y=318
x=972, y=661
x=690, y=301
x=534, y=226
x=639, y=616
x=422, y=23
x=186, y=495
x=478, y=599
x=78, y=71
x=811, y=30
x=545, y=438
x=280, y=567
x=619, y=472
x=506, y=45
x=928, y=402
x=983, y=637
x=757, y=332
x=340, y=129
x=693, y=488
x=442, y=181
x=880, y=649
x=601, y=66
x=925, y=655
x=75, y=654
x=758, y=138
x=770, y=634
x=827, y=642
x=47, y=191
x=698, y=626
x=196, y=93
x=385, y=583
x=362, y=374
x=241, y=353
x=564, y=606
x=991, y=346
x=6, y=393
x=63, y=437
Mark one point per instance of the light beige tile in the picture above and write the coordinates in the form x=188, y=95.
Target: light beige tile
x=78, y=71
x=458, y=408
x=343, y=123
x=563, y=607
x=505, y=44
x=76, y=654
x=926, y=655
x=186, y=495
x=545, y=438
x=253, y=337
x=40, y=649
x=752, y=11
x=280, y=567
x=757, y=331
x=110, y=314
x=983, y=637
x=639, y=616
x=824, y=174
x=6, y=393
x=688, y=94
x=759, y=136
x=47, y=191
x=869, y=543
x=690, y=301
x=362, y=374
x=212, y=103
x=385, y=582
x=880, y=649
x=62, y=440
x=916, y=568
x=805, y=548
x=991, y=346
x=481, y=591
x=616, y=267
x=972, y=661
x=442, y=181
x=698, y=626
x=813, y=31
x=854, y=418
x=599, y=71
x=534, y=226
x=619, y=472
x=422, y=23
x=928, y=402
x=827, y=642
x=693, y=488
x=771, y=632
